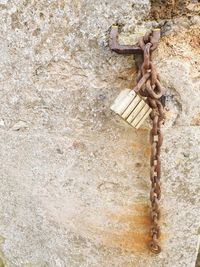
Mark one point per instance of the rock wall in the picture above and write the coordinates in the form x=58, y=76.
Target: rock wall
x=74, y=177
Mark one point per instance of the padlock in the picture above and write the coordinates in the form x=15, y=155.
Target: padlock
x=131, y=108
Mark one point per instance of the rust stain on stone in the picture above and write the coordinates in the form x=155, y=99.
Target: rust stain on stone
x=133, y=220
x=131, y=241
x=140, y=207
x=173, y=8
x=134, y=226
x=143, y=148
x=147, y=152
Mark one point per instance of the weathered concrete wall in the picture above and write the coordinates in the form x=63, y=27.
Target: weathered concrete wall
x=74, y=178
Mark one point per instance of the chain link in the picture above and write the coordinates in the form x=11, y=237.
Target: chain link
x=149, y=86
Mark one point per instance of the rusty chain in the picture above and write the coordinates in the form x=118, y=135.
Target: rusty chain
x=148, y=85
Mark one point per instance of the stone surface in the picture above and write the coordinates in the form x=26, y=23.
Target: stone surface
x=169, y=9
x=74, y=177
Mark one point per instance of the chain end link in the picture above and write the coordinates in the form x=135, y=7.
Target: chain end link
x=154, y=247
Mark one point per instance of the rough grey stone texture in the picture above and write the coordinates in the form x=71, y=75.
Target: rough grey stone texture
x=75, y=178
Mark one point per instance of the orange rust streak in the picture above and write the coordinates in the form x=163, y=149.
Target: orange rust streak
x=143, y=130
x=131, y=241
x=147, y=152
x=135, y=225
x=132, y=219
x=136, y=146
x=140, y=207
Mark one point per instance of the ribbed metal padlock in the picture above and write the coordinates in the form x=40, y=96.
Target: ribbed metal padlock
x=131, y=107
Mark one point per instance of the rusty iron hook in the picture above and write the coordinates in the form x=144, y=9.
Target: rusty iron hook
x=121, y=49
x=130, y=49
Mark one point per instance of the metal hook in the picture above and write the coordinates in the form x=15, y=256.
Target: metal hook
x=121, y=49
x=131, y=49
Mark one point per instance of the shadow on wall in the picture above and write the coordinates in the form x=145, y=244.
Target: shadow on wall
x=167, y=9
x=198, y=260
x=1, y=263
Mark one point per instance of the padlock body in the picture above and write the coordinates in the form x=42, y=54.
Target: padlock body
x=131, y=107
